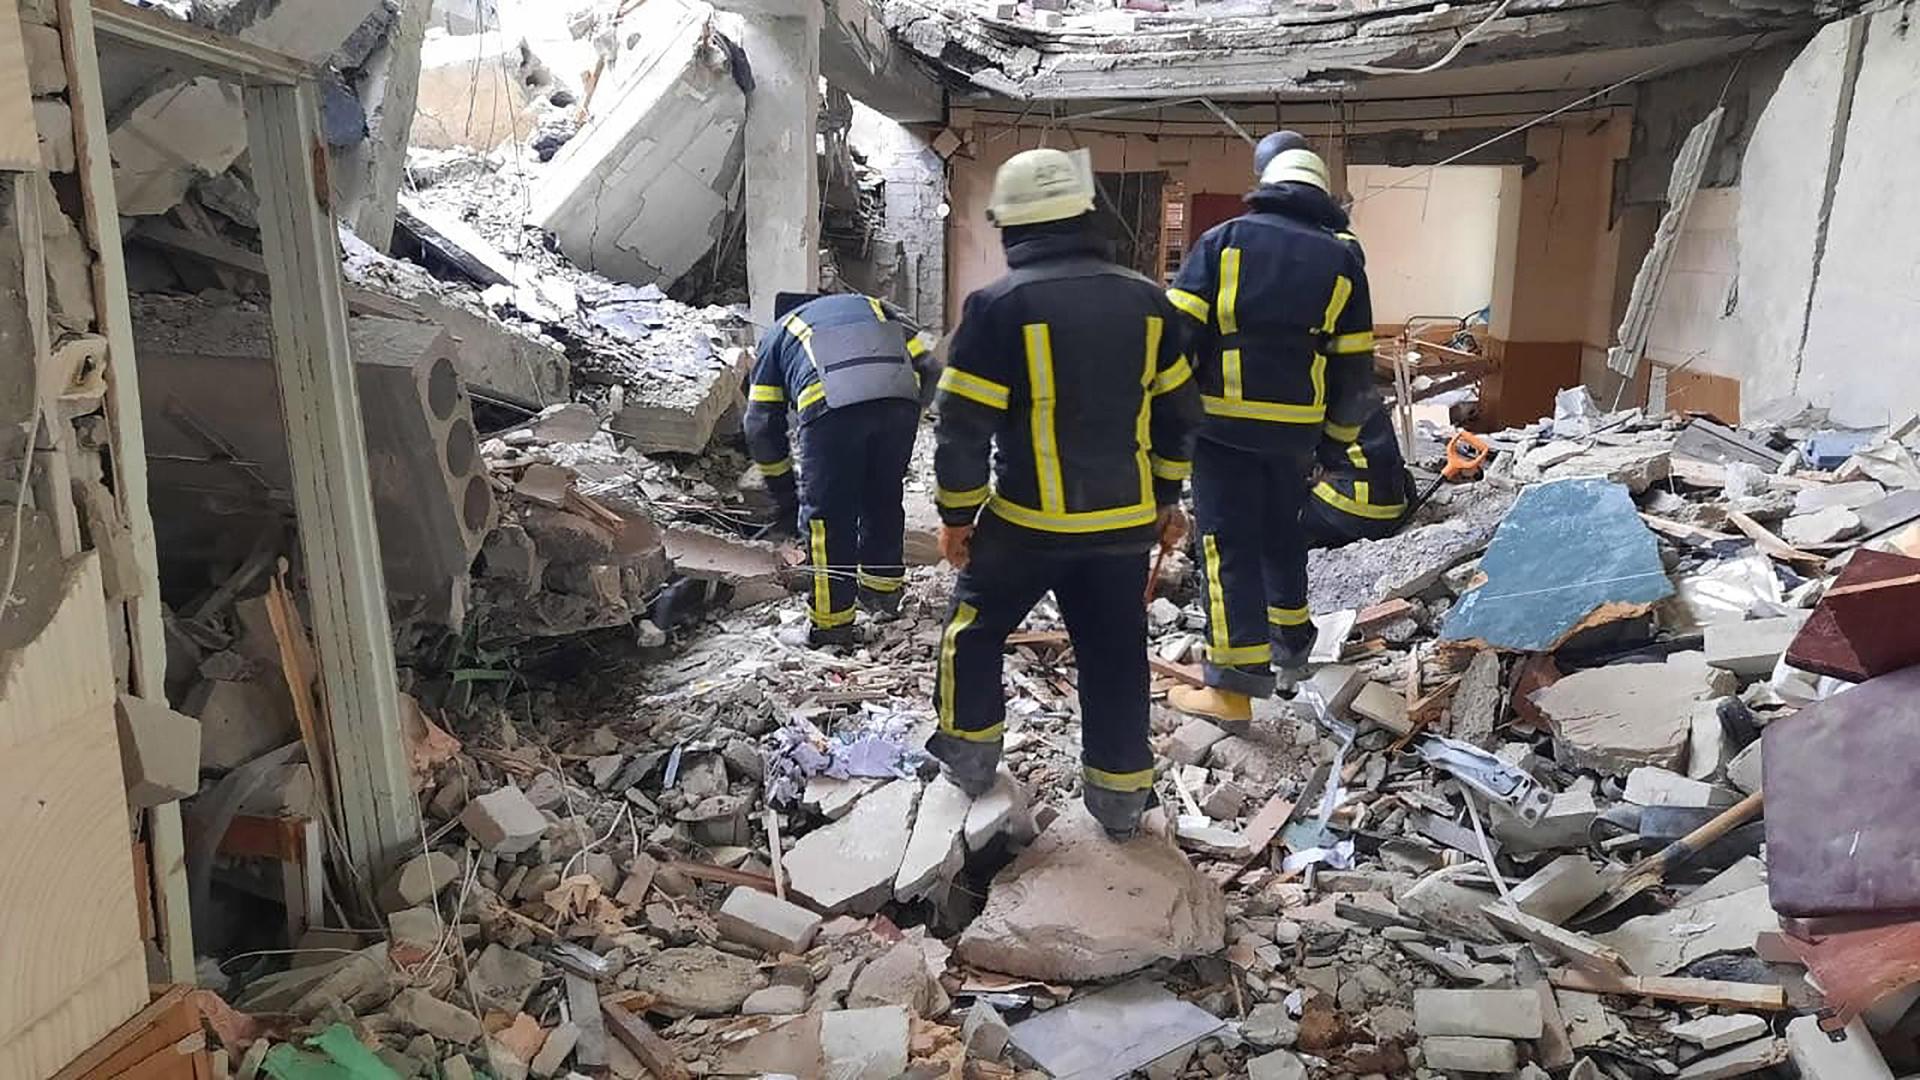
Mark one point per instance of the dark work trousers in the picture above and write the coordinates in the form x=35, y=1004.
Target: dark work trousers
x=1099, y=596
x=1247, y=509
x=1327, y=527
x=853, y=518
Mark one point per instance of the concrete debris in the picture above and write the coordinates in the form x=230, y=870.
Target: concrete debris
x=1466, y=1054
x=851, y=864
x=504, y=821
x=1635, y=467
x=1826, y=526
x=1717, y=1032
x=1621, y=716
x=1503, y=1014
x=1075, y=905
x=1559, y=890
x=766, y=922
x=159, y=751
x=697, y=981
x=937, y=848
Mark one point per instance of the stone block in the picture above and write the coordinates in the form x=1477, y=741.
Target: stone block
x=1462, y=1053
x=1337, y=685
x=1649, y=786
x=984, y=1031
x=421, y=878
x=1384, y=707
x=1192, y=739
x=1744, y=770
x=1719, y=1031
x=553, y=1052
x=697, y=981
x=775, y=1001
x=502, y=978
x=504, y=821
x=766, y=922
x=1447, y=907
x=1500, y=1014
x=239, y=721
x=1003, y=809
x=46, y=64
x=1560, y=889
x=1276, y=1065
x=1820, y=1058
x=1752, y=647
x=1751, y=1058
x=421, y=1011
x=865, y=1044
x=159, y=752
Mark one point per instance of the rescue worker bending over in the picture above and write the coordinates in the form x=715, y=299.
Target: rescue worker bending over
x=1363, y=488
x=1281, y=331
x=851, y=376
x=1065, y=430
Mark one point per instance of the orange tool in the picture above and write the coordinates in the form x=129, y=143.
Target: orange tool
x=1466, y=453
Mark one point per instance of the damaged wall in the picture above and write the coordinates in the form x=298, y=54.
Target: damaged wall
x=1811, y=291
x=909, y=263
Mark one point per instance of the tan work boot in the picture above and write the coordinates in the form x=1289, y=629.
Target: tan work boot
x=1212, y=703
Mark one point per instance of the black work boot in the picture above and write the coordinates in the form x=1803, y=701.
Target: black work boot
x=1118, y=812
x=819, y=637
x=884, y=605
x=970, y=765
x=1292, y=648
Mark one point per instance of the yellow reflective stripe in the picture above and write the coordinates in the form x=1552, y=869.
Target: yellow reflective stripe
x=974, y=388
x=1046, y=449
x=879, y=583
x=1229, y=289
x=1125, y=517
x=1358, y=342
x=1240, y=655
x=1356, y=455
x=822, y=589
x=1288, y=616
x=772, y=395
x=963, y=616
x=961, y=500
x=798, y=327
x=1143, y=419
x=1118, y=781
x=832, y=619
x=1168, y=469
x=916, y=347
x=1230, y=375
x=878, y=311
x=812, y=394
x=1337, y=303
x=1347, y=236
x=1345, y=433
x=1333, y=497
x=775, y=468
x=1216, y=596
x=1172, y=377
x=1319, y=376
x=1189, y=303
x=1271, y=411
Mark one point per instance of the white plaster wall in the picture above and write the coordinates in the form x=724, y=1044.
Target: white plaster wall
x=1860, y=353
x=1431, y=237
x=1691, y=317
x=1781, y=182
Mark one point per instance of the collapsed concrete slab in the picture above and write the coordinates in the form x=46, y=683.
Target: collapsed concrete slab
x=641, y=192
x=850, y=865
x=1077, y=906
x=215, y=436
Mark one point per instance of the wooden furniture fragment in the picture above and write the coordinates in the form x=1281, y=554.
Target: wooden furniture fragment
x=72, y=966
x=163, y=1041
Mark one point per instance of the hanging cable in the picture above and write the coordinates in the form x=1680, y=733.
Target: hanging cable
x=1375, y=69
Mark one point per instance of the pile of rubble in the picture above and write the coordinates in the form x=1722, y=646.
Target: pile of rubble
x=734, y=859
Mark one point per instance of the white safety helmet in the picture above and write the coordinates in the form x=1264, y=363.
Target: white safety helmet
x=1036, y=186
x=1299, y=165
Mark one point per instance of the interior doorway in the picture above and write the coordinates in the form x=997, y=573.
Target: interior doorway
x=1127, y=213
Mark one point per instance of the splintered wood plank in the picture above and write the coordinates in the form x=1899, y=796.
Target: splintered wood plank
x=72, y=968
x=1731, y=995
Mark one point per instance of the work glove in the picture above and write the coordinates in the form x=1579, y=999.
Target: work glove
x=956, y=545
x=1171, y=525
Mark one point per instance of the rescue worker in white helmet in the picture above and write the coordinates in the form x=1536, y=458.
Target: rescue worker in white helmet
x=851, y=377
x=1064, y=435
x=1280, y=327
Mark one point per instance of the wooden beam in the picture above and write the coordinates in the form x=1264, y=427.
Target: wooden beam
x=146, y=632
x=1732, y=995
x=333, y=495
x=633, y=1031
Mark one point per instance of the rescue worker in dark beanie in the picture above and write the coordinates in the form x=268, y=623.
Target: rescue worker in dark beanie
x=1280, y=327
x=1363, y=488
x=1065, y=425
x=852, y=378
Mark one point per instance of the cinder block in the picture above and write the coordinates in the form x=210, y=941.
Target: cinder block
x=504, y=821
x=1503, y=1014
x=766, y=922
x=159, y=752
x=1558, y=890
x=1466, y=1054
